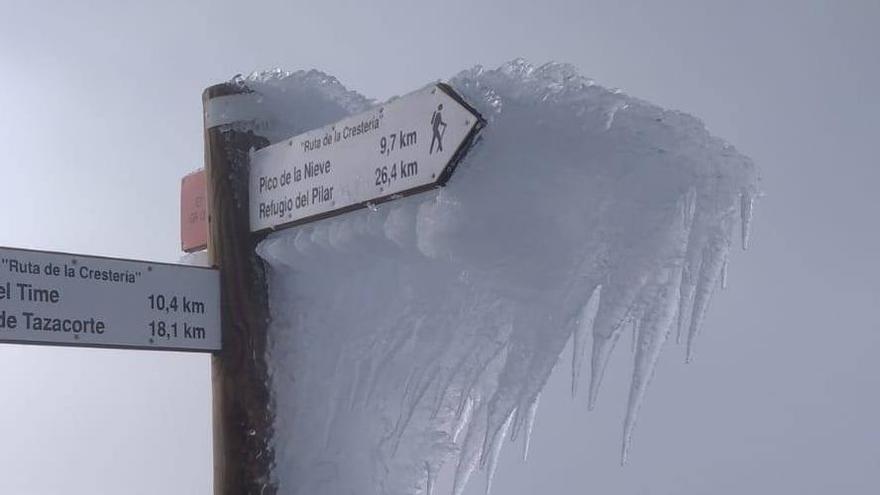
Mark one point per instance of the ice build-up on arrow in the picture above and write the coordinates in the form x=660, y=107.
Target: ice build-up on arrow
x=420, y=332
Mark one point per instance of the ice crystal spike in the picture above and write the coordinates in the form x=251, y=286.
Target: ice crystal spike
x=530, y=426
x=581, y=334
x=656, y=323
x=710, y=272
x=747, y=202
x=492, y=463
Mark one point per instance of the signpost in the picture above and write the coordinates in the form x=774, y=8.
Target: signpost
x=243, y=417
x=408, y=145
x=75, y=300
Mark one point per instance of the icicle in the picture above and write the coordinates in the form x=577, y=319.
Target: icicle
x=429, y=484
x=724, y=275
x=654, y=331
x=469, y=455
x=679, y=318
x=459, y=367
x=687, y=286
x=686, y=299
x=516, y=425
x=505, y=398
x=492, y=462
x=495, y=358
x=406, y=409
x=710, y=270
x=581, y=333
x=601, y=352
x=496, y=437
x=606, y=332
x=656, y=325
x=747, y=202
x=635, y=334
x=690, y=209
x=410, y=409
x=475, y=364
x=530, y=426
x=463, y=419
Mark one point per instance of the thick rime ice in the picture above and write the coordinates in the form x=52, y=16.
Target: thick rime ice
x=419, y=333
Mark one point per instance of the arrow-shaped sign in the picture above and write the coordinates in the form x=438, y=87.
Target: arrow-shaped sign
x=408, y=145
x=76, y=300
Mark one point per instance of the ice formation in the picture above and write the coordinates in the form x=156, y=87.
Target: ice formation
x=422, y=331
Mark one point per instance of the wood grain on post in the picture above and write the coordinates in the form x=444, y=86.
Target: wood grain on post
x=242, y=412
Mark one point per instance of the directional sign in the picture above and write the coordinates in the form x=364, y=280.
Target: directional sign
x=75, y=300
x=408, y=145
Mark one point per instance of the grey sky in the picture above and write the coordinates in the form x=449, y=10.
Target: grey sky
x=100, y=116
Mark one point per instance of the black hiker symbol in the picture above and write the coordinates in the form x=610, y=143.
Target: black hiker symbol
x=439, y=129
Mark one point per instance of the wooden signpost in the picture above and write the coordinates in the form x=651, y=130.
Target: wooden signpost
x=242, y=410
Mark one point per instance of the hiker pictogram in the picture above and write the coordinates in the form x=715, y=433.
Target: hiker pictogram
x=439, y=129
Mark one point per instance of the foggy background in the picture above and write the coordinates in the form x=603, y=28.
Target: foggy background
x=100, y=117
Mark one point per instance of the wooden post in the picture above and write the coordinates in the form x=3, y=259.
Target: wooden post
x=243, y=417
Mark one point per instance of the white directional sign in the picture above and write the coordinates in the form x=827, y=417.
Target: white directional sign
x=407, y=145
x=69, y=299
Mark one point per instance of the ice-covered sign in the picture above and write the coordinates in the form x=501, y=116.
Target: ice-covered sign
x=407, y=145
x=70, y=299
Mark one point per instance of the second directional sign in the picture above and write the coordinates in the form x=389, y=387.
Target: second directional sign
x=76, y=300
x=407, y=145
